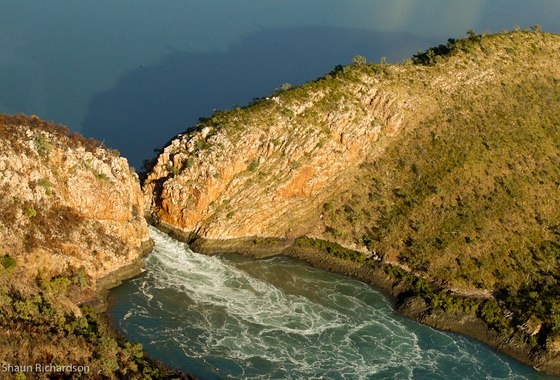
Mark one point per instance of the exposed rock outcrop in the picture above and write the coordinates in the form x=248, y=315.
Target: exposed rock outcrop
x=66, y=203
x=305, y=162
x=265, y=174
x=443, y=169
x=71, y=226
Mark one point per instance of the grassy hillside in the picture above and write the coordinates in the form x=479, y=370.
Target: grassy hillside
x=469, y=198
x=445, y=169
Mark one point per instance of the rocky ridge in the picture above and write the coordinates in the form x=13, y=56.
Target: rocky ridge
x=71, y=226
x=269, y=169
x=266, y=172
x=442, y=170
x=66, y=202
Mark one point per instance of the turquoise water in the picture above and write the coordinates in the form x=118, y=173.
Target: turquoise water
x=230, y=317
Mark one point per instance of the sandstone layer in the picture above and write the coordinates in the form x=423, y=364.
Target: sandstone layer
x=267, y=170
x=443, y=168
x=66, y=203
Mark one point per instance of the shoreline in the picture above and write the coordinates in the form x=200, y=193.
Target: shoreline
x=100, y=303
x=405, y=301
x=103, y=285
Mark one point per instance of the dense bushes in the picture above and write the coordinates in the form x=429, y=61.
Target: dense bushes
x=8, y=262
x=436, y=54
x=331, y=248
x=538, y=300
x=37, y=327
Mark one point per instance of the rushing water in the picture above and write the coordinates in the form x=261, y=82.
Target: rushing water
x=232, y=317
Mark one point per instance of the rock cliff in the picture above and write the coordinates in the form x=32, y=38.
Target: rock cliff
x=66, y=203
x=267, y=169
x=71, y=225
x=287, y=165
x=443, y=168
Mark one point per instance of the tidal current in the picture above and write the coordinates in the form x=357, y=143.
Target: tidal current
x=231, y=317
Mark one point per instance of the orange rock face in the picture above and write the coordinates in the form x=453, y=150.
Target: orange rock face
x=269, y=174
x=65, y=203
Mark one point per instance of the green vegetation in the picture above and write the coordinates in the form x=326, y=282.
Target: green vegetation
x=467, y=191
x=100, y=176
x=253, y=165
x=45, y=184
x=114, y=152
x=359, y=60
x=30, y=212
x=437, y=298
x=284, y=87
x=494, y=316
x=436, y=54
x=538, y=301
x=42, y=145
x=8, y=262
x=81, y=278
x=331, y=248
x=36, y=327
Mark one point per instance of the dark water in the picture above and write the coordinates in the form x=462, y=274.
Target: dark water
x=235, y=318
x=160, y=100
x=134, y=73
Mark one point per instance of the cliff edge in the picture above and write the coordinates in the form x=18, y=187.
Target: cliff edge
x=71, y=219
x=443, y=169
x=67, y=203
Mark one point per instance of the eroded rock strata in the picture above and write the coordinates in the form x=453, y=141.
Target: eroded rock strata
x=71, y=225
x=66, y=202
x=443, y=170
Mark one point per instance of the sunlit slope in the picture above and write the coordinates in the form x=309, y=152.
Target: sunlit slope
x=446, y=165
x=70, y=225
x=470, y=196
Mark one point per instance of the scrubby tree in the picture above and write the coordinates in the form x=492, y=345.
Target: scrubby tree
x=359, y=60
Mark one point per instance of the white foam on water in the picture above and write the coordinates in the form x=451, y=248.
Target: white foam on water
x=229, y=318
